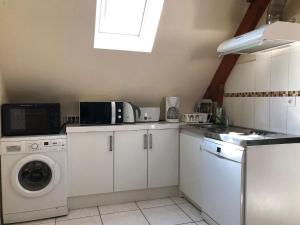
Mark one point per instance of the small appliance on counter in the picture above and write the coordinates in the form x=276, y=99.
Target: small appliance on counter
x=149, y=114
x=220, y=116
x=194, y=117
x=206, y=106
x=172, y=105
x=93, y=113
x=30, y=119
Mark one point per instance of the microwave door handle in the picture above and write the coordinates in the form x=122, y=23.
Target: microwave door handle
x=113, y=112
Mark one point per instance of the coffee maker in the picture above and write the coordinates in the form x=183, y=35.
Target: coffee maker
x=172, y=109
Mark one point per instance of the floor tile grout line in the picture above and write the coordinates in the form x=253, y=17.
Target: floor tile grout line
x=178, y=204
x=159, y=206
x=78, y=218
x=128, y=210
x=82, y=217
x=169, y=198
x=187, y=202
x=140, y=209
x=98, y=207
x=188, y=214
x=143, y=213
x=187, y=223
x=136, y=202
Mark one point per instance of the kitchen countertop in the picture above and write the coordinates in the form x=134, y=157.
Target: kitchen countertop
x=122, y=127
x=241, y=136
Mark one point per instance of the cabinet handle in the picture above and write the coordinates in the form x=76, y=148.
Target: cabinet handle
x=150, y=140
x=145, y=141
x=110, y=143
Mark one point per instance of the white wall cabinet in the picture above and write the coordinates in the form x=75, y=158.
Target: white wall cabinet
x=163, y=158
x=262, y=113
x=279, y=72
x=130, y=160
x=279, y=112
x=90, y=163
x=191, y=167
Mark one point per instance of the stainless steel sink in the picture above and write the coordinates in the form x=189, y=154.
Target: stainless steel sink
x=209, y=126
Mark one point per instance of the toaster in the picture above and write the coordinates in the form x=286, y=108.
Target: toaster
x=149, y=114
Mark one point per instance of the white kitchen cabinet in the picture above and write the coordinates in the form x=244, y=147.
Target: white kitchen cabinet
x=90, y=163
x=130, y=160
x=294, y=71
x=262, y=74
x=163, y=157
x=122, y=158
x=262, y=113
x=191, y=166
x=293, y=118
x=242, y=111
x=279, y=111
x=280, y=72
x=247, y=77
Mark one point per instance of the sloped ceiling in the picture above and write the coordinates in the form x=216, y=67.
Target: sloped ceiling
x=46, y=53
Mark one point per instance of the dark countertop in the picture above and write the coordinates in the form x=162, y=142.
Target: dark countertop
x=241, y=136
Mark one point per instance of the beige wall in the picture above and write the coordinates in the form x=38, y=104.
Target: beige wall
x=46, y=53
x=2, y=90
x=3, y=97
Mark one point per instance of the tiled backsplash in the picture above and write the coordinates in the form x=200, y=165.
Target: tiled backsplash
x=264, y=93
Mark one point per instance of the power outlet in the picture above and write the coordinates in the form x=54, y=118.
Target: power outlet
x=71, y=119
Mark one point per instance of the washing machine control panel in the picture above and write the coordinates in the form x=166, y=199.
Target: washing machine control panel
x=47, y=145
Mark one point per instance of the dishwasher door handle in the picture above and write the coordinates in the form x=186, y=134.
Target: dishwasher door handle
x=221, y=157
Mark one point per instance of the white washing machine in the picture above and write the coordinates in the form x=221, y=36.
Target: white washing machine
x=34, y=177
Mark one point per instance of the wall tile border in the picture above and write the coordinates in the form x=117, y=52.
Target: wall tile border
x=264, y=94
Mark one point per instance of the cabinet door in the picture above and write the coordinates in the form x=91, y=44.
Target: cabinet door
x=163, y=158
x=90, y=159
x=130, y=160
x=191, y=167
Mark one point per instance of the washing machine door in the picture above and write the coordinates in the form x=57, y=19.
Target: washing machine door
x=35, y=176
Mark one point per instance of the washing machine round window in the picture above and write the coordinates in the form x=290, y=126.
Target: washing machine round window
x=35, y=175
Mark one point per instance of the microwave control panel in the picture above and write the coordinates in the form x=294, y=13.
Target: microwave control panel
x=119, y=112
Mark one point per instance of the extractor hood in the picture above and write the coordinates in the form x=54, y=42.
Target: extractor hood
x=266, y=37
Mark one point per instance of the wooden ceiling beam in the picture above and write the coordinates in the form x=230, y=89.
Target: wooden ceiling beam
x=215, y=91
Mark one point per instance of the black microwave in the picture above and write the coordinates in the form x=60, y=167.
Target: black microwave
x=98, y=113
x=30, y=119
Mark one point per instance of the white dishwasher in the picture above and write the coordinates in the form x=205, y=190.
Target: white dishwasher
x=223, y=177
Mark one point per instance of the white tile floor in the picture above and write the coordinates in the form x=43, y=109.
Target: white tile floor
x=167, y=211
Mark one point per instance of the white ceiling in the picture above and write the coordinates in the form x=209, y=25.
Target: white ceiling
x=46, y=52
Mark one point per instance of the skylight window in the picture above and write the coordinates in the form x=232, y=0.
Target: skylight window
x=128, y=25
